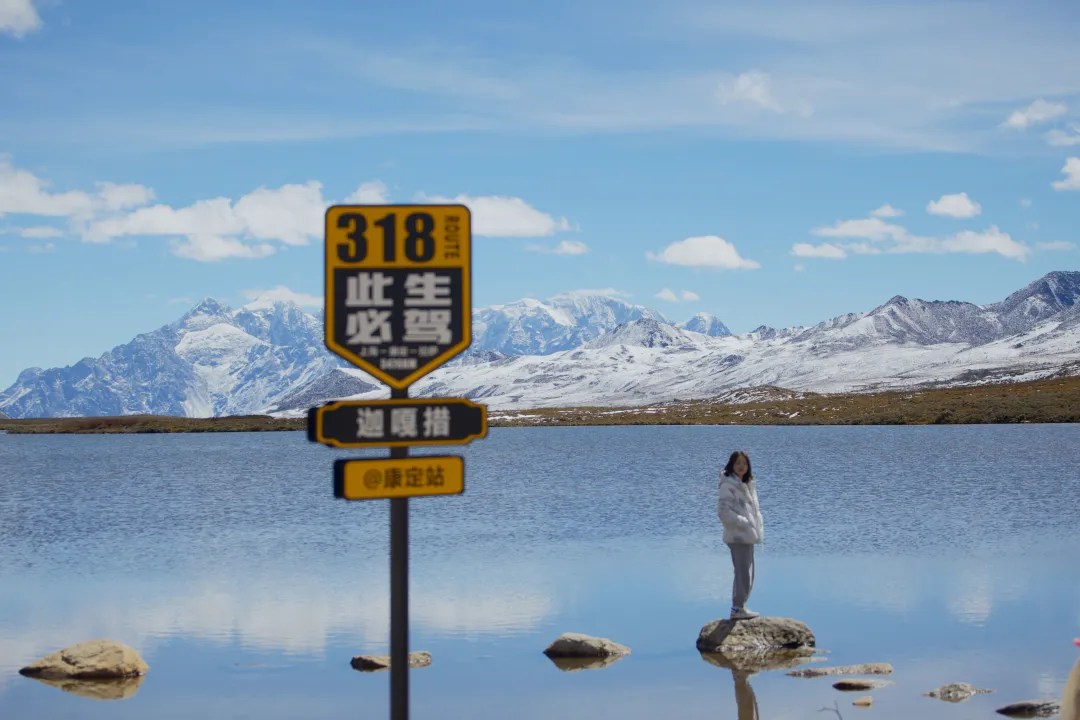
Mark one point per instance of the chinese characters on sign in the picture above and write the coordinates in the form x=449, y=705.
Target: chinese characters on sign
x=399, y=477
x=397, y=422
x=398, y=296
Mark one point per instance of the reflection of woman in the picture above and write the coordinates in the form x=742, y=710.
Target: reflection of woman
x=1070, y=697
x=744, y=527
x=745, y=699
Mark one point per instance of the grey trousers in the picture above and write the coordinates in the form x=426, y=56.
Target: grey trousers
x=742, y=557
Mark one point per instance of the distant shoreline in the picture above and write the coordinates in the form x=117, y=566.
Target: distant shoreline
x=1054, y=400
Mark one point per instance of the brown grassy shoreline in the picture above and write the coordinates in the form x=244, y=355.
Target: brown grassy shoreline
x=1055, y=400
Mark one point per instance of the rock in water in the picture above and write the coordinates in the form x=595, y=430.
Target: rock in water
x=96, y=659
x=756, y=634
x=955, y=692
x=1031, y=709
x=865, y=701
x=864, y=669
x=371, y=663
x=580, y=646
x=858, y=684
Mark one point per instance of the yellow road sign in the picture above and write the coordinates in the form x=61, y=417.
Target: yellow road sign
x=398, y=296
x=416, y=476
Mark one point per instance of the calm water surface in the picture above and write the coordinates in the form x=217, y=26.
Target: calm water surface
x=951, y=552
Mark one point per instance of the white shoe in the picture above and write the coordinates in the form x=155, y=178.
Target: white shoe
x=744, y=614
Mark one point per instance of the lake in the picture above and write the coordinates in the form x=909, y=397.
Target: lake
x=950, y=552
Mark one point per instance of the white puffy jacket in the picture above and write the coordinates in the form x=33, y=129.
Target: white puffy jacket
x=737, y=508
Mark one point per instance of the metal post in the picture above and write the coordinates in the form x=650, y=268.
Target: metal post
x=399, y=595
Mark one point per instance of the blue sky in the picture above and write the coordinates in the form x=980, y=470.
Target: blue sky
x=772, y=163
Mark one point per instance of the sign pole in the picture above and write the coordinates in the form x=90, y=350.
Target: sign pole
x=399, y=593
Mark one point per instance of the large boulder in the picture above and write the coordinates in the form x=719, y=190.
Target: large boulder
x=93, y=660
x=754, y=635
x=577, y=645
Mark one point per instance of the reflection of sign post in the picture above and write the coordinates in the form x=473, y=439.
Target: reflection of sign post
x=397, y=423
x=398, y=301
x=398, y=305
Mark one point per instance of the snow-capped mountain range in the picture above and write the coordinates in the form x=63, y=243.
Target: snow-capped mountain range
x=573, y=349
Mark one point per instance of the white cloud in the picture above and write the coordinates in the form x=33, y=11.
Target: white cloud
x=862, y=248
x=211, y=248
x=23, y=193
x=887, y=211
x=1057, y=246
x=1061, y=138
x=18, y=17
x=668, y=294
x=42, y=249
x=1025, y=203
x=825, y=250
x=991, y=240
x=373, y=192
x=1037, y=112
x=41, y=232
x=571, y=247
x=217, y=229
x=685, y=296
x=958, y=205
x=281, y=293
x=565, y=247
x=292, y=214
x=1072, y=175
x=754, y=88
x=123, y=197
x=896, y=239
x=866, y=228
x=501, y=216
x=704, y=251
x=800, y=268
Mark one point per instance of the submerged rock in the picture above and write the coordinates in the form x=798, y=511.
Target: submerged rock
x=374, y=663
x=113, y=689
x=956, y=692
x=864, y=669
x=577, y=645
x=755, y=661
x=859, y=684
x=757, y=634
x=1031, y=709
x=572, y=664
x=96, y=659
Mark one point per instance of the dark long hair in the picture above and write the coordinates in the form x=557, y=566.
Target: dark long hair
x=729, y=469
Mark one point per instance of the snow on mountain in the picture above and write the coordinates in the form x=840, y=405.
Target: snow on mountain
x=706, y=325
x=575, y=349
x=212, y=361
x=533, y=327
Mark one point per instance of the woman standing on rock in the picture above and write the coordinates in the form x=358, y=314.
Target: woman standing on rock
x=744, y=527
